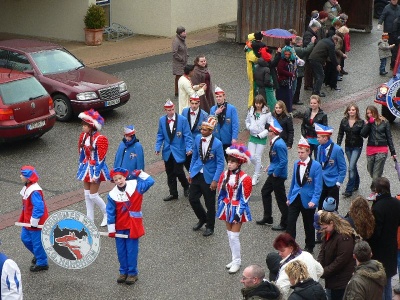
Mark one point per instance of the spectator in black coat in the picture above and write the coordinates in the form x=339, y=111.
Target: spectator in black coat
x=284, y=119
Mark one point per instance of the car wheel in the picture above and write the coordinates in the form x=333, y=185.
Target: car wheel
x=387, y=114
x=378, y=8
x=63, y=108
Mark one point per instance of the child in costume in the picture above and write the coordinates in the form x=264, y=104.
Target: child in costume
x=11, y=284
x=34, y=212
x=92, y=169
x=124, y=210
x=234, y=190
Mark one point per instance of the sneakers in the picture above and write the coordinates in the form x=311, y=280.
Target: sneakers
x=104, y=222
x=131, y=279
x=228, y=266
x=234, y=268
x=121, y=278
x=371, y=197
x=254, y=180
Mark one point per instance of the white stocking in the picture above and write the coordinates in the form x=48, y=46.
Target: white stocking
x=235, y=247
x=89, y=205
x=230, y=240
x=96, y=199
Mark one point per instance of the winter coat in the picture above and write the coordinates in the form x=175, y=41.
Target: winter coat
x=336, y=256
x=262, y=74
x=257, y=126
x=307, y=127
x=367, y=282
x=179, y=55
x=272, y=68
x=308, y=289
x=383, y=241
x=286, y=123
x=303, y=53
x=283, y=68
x=308, y=34
x=353, y=134
x=379, y=135
x=332, y=10
x=389, y=14
x=202, y=75
x=384, y=49
x=322, y=50
x=264, y=291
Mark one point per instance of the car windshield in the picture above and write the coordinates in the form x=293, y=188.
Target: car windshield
x=21, y=90
x=56, y=61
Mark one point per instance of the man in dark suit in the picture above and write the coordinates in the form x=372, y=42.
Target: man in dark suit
x=175, y=138
x=205, y=169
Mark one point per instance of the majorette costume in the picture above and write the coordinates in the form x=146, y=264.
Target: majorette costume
x=130, y=154
x=34, y=212
x=124, y=211
x=234, y=193
x=11, y=284
x=206, y=166
x=92, y=149
x=334, y=168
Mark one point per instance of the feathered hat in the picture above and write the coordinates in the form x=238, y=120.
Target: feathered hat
x=210, y=123
x=30, y=173
x=240, y=152
x=93, y=118
x=322, y=129
x=129, y=130
x=119, y=171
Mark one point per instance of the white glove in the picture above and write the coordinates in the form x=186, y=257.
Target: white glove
x=34, y=222
x=379, y=27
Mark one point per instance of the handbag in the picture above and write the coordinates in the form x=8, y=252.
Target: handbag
x=284, y=82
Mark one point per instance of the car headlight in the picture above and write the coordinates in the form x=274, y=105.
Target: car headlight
x=86, y=96
x=383, y=89
x=122, y=87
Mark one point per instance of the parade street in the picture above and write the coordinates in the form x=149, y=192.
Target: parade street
x=174, y=261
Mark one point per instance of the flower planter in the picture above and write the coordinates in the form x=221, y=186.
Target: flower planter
x=93, y=37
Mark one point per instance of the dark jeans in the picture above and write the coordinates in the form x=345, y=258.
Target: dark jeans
x=295, y=208
x=382, y=67
x=329, y=191
x=331, y=75
x=285, y=94
x=314, y=149
x=318, y=73
x=188, y=161
x=175, y=170
x=276, y=185
x=308, y=75
x=393, y=40
x=353, y=154
x=199, y=187
x=296, y=96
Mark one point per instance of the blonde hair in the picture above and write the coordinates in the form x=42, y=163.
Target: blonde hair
x=297, y=270
x=316, y=97
x=340, y=225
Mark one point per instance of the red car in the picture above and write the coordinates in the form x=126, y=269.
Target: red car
x=26, y=109
x=73, y=86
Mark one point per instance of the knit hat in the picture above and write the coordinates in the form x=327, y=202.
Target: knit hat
x=303, y=143
x=93, y=118
x=322, y=129
x=180, y=29
x=329, y=204
x=129, y=130
x=30, y=173
x=119, y=171
x=195, y=97
x=218, y=90
x=323, y=14
x=258, y=36
x=275, y=126
x=210, y=123
x=240, y=152
x=168, y=104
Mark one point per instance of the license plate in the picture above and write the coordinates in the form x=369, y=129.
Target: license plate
x=36, y=125
x=112, y=102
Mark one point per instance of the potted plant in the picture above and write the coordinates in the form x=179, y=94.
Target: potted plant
x=95, y=21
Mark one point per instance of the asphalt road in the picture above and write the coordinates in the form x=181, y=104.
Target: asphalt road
x=174, y=261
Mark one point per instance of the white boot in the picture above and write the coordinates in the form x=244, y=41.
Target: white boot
x=104, y=222
x=235, y=248
x=228, y=266
x=254, y=180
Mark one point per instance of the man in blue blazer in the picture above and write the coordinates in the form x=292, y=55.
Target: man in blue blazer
x=175, y=138
x=277, y=174
x=227, y=128
x=205, y=169
x=331, y=158
x=196, y=117
x=304, y=193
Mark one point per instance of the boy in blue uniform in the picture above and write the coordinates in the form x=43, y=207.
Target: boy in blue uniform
x=227, y=128
x=130, y=153
x=195, y=117
x=331, y=158
x=304, y=193
x=205, y=169
x=175, y=138
x=277, y=174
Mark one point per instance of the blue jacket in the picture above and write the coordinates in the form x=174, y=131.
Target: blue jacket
x=311, y=187
x=278, y=156
x=230, y=128
x=200, y=118
x=178, y=142
x=335, y=168
x=212, y=166
x=129, y=155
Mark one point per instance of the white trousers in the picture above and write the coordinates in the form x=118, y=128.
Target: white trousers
x=256, y=151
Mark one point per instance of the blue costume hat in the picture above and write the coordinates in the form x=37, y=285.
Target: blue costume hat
x=119, y=171
x=329, y=204
x=322, y=129
x=30, y=173
x=129, y=130
x=275, y=126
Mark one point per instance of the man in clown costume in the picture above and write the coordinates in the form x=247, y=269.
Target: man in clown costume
x=124, y=216
x=11, y=284
x=34, y=212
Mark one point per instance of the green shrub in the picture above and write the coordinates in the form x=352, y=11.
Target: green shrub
x=95, y=17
